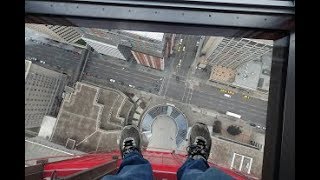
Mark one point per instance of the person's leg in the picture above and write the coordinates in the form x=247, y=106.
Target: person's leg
x=196, y=166
x=133, y=165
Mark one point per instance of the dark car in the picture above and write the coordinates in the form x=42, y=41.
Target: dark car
x=253, y=125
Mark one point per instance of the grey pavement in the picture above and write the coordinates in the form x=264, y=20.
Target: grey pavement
x=100, y=69
x=181, y=89
x=59, y=57
x=187, y=57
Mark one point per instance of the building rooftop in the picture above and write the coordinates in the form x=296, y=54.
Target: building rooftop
x=228, y=154
x=247, y=75
x=93, y=117
x=38, y=147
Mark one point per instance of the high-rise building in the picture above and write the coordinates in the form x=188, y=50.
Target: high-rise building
x=232, y=52
x=147, y=48
x=107, y=47
x=66, y=34
x=43, y=94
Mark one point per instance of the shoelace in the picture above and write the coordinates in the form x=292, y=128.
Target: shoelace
x=128, y=146
x=197, y=149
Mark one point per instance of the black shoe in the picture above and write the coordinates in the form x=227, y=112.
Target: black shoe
x=199, y=141
x=129, y=140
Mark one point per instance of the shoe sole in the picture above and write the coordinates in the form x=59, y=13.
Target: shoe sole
x=128, y=127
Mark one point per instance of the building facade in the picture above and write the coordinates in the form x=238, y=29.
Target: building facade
x=232, y=52
x=66, y=34
x=147, y=48
x=43, y=94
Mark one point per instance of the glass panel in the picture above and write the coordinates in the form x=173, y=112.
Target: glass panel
x=164, y=83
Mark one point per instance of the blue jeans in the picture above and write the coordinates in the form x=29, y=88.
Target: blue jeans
x=134, y=166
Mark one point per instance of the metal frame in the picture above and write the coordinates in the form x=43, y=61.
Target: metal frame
x=94, y=173
x=34, y=172
x=287, y=156
x=265, y=19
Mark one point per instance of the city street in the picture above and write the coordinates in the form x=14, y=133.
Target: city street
x=205, y=96
x=56, y=56
x=100, y=69
x=173, y=85
x=185, y=55
x=176, y=86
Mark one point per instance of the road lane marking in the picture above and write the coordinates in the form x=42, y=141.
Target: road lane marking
x=110, y=74
x=217, y=96
x=162, y=84
x=136, y=74
x=229, y=105
x=184, y=93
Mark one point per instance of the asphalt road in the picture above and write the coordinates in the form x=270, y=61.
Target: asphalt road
x=99, y=69
x=57, y=56
x=186, y=56
x=205, y=96
x=253, y=110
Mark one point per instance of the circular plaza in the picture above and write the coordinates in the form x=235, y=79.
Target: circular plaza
x=164, y=126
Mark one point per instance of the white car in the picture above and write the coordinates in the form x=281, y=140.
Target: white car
x=42, y=62
x=184, y=48
x=197, y=43
x=112, y=80
x=227, y=95
x=258, y=126
x=181, y=41
x=179, y=64
x=132, y=86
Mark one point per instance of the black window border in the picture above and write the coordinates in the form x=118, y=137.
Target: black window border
x=277, y=23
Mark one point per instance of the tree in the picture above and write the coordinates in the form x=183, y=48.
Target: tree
x=234, y=130
x=216, y=127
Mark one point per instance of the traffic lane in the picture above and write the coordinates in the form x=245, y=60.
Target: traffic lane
x=186, y=62
x=118, y=76
x=126, y=72
x=228, y=102
x=239, y=96
x=178, y=78
x=114, y=66
x=218, y=95
x=60, y=59
x=53, y=51
x=214, y=91
x=247, y=113
x=187, y=57
x=100, y=80
x=250, y=116
x=53, y=43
